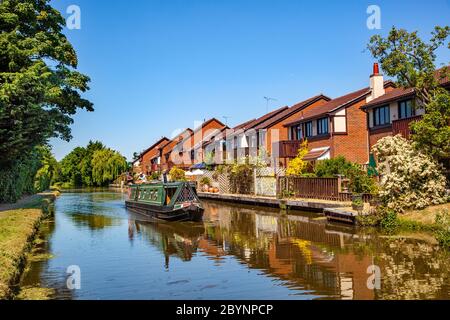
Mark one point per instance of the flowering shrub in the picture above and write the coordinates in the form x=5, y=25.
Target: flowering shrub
x=409, y=178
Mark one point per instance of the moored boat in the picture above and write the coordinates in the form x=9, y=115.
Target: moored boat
x=173, y=201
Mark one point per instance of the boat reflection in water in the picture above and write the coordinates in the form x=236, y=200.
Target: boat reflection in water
x=178, y=239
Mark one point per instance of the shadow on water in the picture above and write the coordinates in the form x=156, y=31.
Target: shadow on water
x=236, y=252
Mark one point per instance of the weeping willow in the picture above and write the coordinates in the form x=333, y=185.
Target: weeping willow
x=107, y=165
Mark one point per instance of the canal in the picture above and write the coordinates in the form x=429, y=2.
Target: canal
x=237, y=252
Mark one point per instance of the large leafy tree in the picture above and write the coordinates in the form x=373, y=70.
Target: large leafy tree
x=412, y=61
x=40, y=88
x=107, y=165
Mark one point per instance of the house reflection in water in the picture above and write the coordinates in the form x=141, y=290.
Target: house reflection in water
x=304, y=253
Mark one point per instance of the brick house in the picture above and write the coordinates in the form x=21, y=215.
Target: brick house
x=150, y=159
x=166, y=159
x=392, y=112
x=337, y=127
x=189, y=150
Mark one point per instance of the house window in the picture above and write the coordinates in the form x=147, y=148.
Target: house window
x=405, y=109
x=253, y=140
x=381, y=116
x=322, y=126
x=298, y=132
x=262, y=138
x=192, y=155
x=308, y=129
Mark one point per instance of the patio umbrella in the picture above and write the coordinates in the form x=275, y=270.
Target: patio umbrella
x=197, y=172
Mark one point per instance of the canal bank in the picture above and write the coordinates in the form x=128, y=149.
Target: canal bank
x=19, y=224
x=313, y=205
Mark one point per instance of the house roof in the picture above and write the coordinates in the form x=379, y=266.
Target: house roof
x=402, y=93
x=163, y=139
x=191, y=132
x=330, y=106
x=254, y=123
x=315, y=154
x=290, y=111
x=395, y=94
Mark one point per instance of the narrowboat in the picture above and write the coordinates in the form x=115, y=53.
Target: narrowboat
x=172, y=201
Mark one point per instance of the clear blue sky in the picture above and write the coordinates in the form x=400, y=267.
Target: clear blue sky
x=161, y=65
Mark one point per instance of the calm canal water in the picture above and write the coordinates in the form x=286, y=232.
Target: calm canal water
x=236, y=253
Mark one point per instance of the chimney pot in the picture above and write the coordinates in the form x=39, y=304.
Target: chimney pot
x=376, y=69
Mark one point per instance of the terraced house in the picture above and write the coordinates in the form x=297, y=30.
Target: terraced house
x=189, y=151
x=150, y=159
x=392, y=112
x=337, y=127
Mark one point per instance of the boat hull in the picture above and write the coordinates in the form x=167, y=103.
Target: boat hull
x=194, y=212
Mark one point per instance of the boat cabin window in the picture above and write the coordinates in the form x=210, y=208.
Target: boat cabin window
x=170, y=192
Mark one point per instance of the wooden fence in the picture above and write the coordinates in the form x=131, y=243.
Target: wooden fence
x=314, y=188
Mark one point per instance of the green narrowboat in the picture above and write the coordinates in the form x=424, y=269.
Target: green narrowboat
x=172, y=201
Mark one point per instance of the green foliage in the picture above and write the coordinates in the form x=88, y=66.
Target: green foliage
x=411, y=61
x=48, y=171
x=39, y=88
x=107, y=165
x=297, y=166
x=405, y=56
x=33, y=172
x=94, y=165
x=409, y=178
x=389, y=221
x=443, y=228
x=432, y=133
x=177, y=174
x=155, y=176
x=205, y=181
x=329, y=168
x=360, y=181
x=241, y=177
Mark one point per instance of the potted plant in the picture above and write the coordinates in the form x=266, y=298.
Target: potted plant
x=204, y=183
x=358, y=204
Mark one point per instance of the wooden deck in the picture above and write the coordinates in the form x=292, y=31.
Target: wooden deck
x=314, y=205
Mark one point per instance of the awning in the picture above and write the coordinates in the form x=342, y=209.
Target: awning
x=318, y=154
x=201, y=165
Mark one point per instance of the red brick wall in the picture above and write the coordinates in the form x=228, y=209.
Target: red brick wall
x=283, y=131
x=149, y=155
x=354, y=145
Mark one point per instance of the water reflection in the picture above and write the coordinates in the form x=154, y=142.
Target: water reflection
x=236, y=252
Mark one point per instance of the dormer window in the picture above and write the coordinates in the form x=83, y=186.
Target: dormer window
x=406, y=109
x=381, y=116
x=308, y=129
x=322, y=126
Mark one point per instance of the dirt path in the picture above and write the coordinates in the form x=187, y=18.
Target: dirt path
x=19, y=204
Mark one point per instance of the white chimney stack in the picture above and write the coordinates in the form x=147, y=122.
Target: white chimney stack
x=376, y=84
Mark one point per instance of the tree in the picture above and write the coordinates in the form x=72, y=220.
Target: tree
x=48, y=171
x=297, y=166
x=411, y=61
x=409, y=178
x=107, y=165
x=40, y=90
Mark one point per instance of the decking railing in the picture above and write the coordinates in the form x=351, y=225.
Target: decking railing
x=402, y=126
x=314, y=188
x=287, y=149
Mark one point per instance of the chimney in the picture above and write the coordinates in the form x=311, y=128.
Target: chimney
x=376, y=84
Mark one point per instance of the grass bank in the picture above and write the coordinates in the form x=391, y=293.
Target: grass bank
x=19, y=224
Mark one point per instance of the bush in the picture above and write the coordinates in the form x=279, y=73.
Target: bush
x=409, y=179
x=329, y=168
x=241, y=178
x=177, y=174
x=297, y=166
x=360, y=181
x=205, y=181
